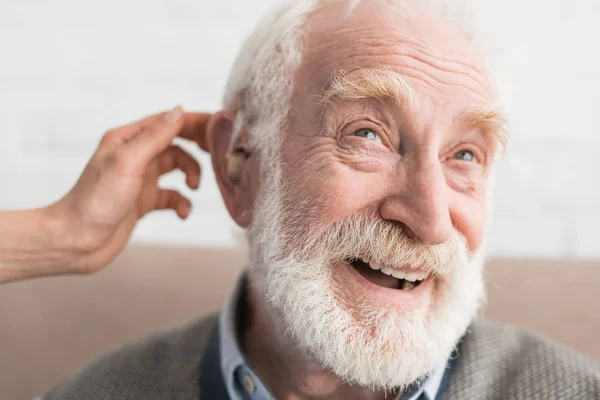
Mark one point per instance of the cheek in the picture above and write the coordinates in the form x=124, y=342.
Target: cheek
x=463, y=177
x=366, y=156
x=333, y=189
x=468, y=215
x=467, y=183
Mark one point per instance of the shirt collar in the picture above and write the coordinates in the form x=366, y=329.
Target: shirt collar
x=232, y=360
x=432, y=385
x=231, y=357
x=233, y=364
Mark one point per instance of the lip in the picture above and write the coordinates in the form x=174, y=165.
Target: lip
x=358, y=285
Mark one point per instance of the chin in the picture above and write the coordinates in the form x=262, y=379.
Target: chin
x=362, y=298
x=374, y=331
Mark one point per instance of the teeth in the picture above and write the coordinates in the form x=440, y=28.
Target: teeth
x=415, y=276
x=375, y=266
x=406, y=285
x=398, y=274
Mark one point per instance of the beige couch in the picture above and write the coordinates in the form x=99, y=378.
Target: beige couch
x=51, y=327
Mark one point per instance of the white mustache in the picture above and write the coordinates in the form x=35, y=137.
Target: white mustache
x=370, y=238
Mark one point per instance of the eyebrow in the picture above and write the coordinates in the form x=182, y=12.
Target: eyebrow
x=371, y=83
x=387, y=85
x=492, y=120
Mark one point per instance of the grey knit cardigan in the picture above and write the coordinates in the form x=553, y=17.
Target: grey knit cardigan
x=493, y=362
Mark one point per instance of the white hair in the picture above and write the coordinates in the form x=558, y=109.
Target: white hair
x=362, y=340
x=297, y=280
x=261, y=82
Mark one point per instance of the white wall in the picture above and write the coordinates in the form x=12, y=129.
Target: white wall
x=69, y=70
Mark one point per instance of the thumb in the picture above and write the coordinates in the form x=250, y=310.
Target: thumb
x=155, y=137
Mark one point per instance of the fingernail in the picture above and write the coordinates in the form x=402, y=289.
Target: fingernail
x=174, y=115
x=186, y=210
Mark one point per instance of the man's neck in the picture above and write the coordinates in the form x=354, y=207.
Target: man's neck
x=289, y=371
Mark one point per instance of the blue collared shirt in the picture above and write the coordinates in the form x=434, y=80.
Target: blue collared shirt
x=241, y=381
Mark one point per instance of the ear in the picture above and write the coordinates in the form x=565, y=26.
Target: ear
x=230, y=165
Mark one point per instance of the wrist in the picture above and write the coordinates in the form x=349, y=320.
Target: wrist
x=62, y=246
x=33, y=243
x=77, y=241
x=73, y=240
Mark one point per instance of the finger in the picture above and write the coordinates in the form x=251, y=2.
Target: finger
x=154, y=137
x=175, y=157
x=173, y=200
x=125, y=133
x=194, y=128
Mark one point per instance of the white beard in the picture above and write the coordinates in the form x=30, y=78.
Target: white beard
x=370, y=343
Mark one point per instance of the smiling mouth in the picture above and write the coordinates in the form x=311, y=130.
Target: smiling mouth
x=392, y=278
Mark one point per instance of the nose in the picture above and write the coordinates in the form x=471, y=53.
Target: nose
x=420, y=202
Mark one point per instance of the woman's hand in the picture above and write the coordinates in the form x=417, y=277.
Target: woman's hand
x=89, y=226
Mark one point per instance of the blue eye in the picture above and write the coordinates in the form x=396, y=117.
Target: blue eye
x=465, y=155
x=368, y=134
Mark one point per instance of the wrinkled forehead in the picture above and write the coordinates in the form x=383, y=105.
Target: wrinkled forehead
x=422, y=47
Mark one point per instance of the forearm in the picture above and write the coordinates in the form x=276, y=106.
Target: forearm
x=33, y=243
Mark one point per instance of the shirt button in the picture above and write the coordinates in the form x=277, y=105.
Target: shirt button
x=249, y=384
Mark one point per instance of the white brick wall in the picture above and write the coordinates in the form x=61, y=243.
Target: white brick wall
x=69, y=70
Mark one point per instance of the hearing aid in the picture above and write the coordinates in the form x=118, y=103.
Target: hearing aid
x=235, y=164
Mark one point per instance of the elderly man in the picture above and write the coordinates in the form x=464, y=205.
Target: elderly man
x=356, y=146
